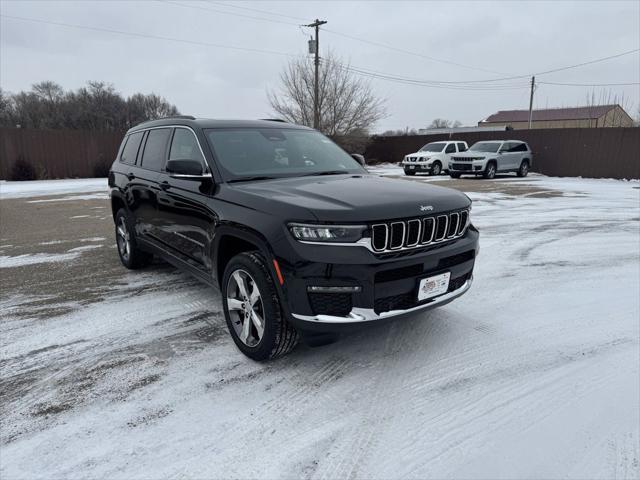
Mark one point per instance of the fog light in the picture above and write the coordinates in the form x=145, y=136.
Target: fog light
x=321, y=289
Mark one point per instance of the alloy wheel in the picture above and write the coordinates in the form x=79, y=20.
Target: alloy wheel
x=123, y=239
x=245, y=307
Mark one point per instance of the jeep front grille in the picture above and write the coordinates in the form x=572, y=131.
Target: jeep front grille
x=418, y=232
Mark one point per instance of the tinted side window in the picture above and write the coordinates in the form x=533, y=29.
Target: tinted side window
x=519, y=147
x=451, y=148
x=155, y=149
x=506, y=147
x=130, y=150
x=461, y=147
x=185, y=146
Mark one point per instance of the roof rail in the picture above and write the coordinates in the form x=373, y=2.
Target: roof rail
x=184, y=117
x=274, y=120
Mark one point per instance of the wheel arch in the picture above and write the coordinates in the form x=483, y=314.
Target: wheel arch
x=230, y=240
x=117, y=202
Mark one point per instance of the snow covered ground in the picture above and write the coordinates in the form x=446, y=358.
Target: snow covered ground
x=38, y=188
x=532, y=374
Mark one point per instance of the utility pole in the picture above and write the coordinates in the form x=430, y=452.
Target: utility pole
x=316, y=106
x=533, y=87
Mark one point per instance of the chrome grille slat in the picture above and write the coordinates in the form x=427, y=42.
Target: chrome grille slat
x=418, y=232
x=395, y=227
x=414, y=227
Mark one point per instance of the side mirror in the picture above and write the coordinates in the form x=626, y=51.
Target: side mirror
x=359, y=158
x=186, y=169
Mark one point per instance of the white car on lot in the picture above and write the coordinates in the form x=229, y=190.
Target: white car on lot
x=433, y=158
x=490, y=157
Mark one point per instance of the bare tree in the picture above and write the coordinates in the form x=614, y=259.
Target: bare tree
x=443, y=123
x=347, y=103
x=98, y=106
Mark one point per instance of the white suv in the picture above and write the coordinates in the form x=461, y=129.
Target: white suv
x=433, y=158
x=490, y=157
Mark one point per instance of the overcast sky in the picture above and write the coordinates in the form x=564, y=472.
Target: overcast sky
x=491, y=40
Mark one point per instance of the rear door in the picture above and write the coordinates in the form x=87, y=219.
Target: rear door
x=185, y=219
x=154, y=153
x=505, y=157
x=520, y=151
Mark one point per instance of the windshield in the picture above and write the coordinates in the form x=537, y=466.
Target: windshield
x=248, y=153
x=485, y=147
x=433, y=147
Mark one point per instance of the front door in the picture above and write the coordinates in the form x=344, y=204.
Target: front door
x=186, y=222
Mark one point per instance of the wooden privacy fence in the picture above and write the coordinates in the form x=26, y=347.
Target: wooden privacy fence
x=58, y=153
x=570, y=152
x=566, y=152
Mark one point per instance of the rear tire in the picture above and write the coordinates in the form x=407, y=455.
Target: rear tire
x=267, y=334
x=524, y=169
x=130, y=254
x=490, y=171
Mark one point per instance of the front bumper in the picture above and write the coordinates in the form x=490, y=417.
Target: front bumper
x=416, y=165
x=387, y=284
x=358, y=314
x=475, y=166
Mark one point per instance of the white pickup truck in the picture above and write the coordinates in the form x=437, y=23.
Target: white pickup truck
x=433, y=158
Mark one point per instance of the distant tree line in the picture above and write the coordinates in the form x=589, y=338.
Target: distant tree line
x=436, y=123
x=95, y=107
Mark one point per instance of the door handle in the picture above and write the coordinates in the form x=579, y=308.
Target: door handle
x=165, y=185
x=131, y=176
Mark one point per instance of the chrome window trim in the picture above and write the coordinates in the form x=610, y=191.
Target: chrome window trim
x=175, y=126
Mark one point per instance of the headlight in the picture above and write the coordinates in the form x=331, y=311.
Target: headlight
x=327, y=233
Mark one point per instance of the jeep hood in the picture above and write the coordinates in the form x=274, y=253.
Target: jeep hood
x=345, y=198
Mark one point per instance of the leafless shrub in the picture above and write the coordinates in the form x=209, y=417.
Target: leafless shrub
x=347, y=103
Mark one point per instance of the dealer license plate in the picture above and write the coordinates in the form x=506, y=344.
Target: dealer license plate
x=433, y=286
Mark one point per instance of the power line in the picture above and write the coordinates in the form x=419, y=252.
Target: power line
x=591, y=84
x=207, y=9
x=146, y=35
x=409, y=52
x=257, y=10
x=487, y=85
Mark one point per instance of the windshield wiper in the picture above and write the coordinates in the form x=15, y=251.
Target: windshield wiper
x=251, y=179
x=328, y=172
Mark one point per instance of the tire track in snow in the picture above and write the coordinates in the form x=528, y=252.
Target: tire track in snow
x=465, y=419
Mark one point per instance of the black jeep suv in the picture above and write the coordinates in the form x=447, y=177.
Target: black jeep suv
x=301, y=240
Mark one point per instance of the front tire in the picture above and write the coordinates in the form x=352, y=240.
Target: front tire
x=252, y=309
x=436, y=169
x=524, y=169
x=454, y=175
x=490, y=171
x=410, y=172
x=130, y=254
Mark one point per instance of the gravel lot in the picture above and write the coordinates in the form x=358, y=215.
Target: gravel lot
x=532, y=374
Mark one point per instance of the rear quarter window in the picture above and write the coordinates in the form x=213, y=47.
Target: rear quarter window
x=131, y=146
